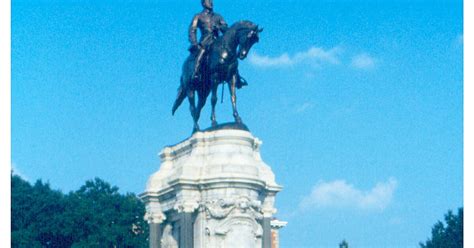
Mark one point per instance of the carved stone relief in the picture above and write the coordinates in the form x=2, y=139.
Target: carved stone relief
x=170, y=237
x=233, y=222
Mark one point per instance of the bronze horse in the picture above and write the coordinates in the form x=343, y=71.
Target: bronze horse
x=220, y=66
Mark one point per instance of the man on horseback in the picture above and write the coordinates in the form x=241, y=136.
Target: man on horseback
x=209, y=24
x=221, y=67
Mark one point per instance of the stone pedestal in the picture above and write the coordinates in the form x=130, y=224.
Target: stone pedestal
x=212, y=190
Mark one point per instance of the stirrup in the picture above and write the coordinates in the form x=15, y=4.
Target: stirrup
x=241, y=83
x=194, y=75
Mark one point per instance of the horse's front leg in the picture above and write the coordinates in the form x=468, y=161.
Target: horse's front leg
x=192, y=109
x=213, y=102
x=233, y=98
x=200, y=104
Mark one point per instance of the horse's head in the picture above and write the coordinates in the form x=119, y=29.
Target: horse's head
x=247, y=36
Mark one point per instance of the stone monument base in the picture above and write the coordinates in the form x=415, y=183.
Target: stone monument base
x=212, y=190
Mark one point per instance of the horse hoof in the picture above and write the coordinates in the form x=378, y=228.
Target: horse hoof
x=214, y=124
x=238, y=120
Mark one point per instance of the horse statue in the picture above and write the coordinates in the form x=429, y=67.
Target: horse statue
x=220, y=66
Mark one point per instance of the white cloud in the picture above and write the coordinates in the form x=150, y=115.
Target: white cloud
x=303, y=107
x=267, y=61
x=343, y=195
x=363, y=61
x=314, y=55
x=395, y=221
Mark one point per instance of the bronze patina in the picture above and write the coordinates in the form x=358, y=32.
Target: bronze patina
x=213, y=61
x=209, y=24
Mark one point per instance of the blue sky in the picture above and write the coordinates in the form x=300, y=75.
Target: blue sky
x=358, y=103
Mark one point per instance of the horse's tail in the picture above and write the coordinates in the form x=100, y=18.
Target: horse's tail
x=179, y=98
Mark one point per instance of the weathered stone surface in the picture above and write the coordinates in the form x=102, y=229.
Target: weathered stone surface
x=216, y=184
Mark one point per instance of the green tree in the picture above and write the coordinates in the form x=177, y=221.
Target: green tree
x=35, y=214
x=96, y=215
x=344, y=244
x=449, y=235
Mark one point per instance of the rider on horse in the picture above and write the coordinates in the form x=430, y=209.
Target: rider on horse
x=209, y=24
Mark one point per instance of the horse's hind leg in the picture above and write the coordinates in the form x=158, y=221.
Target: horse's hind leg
x=200, y=104
x=213, y=103
x=192, y=109
x=233, y=98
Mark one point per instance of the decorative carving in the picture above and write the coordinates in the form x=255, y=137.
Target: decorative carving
x=233, y=222
x=238, y=222
x=220, y=209
x=256, y=144
x=169, y=240
x=267, y=209
x=153, y=213
x=156, y=218
x=187, y=206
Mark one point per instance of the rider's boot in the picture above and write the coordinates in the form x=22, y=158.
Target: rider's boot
x=241, y=82
x=197, y=64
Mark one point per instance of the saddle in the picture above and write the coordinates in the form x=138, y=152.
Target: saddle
x=241, y=82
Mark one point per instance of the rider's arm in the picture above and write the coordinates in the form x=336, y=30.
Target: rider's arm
x=192, y=31
x=222, y=24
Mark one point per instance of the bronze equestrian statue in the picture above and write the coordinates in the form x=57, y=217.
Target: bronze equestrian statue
x=218, y=63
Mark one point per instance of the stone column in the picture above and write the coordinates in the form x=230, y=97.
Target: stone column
x=186, y=230
x=268, y=211
x=155, y=235
x=267, y=233
x=186, y=207
x=154, y=216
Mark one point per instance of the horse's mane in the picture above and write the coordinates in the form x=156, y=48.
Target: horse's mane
x=237, y=29
x=238, y=26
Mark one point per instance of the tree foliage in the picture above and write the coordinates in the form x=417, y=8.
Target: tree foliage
x=96, y=215
x=343, y=244
x=449, y=235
